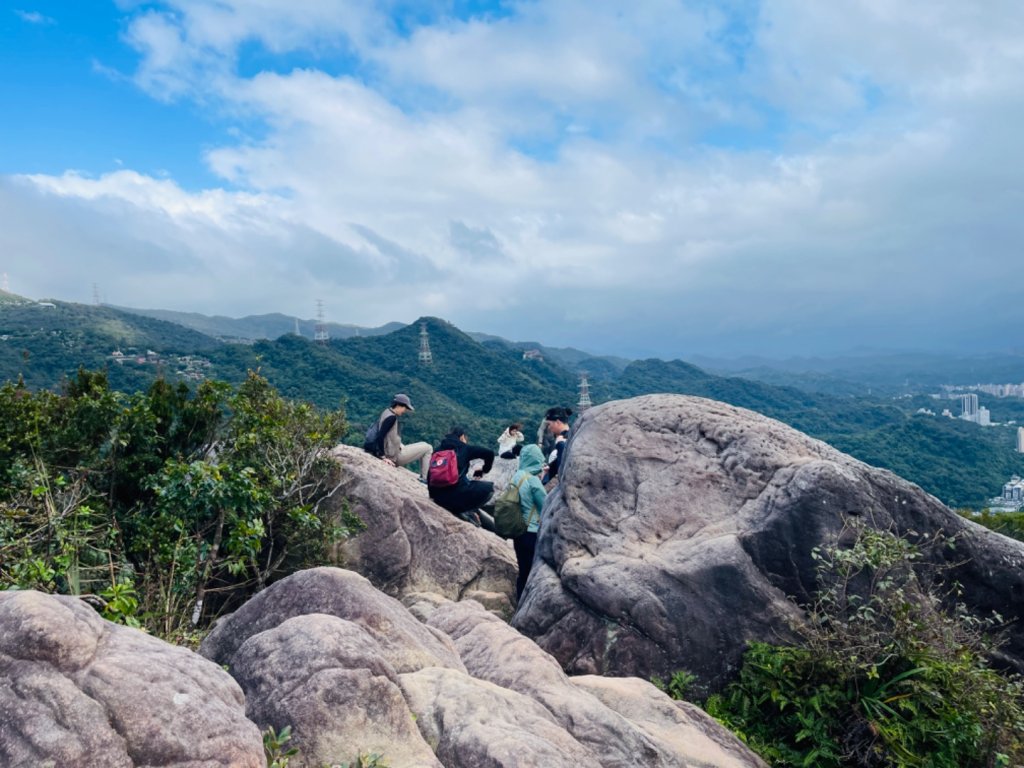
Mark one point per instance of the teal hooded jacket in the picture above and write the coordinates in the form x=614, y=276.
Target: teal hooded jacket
x=531, y=493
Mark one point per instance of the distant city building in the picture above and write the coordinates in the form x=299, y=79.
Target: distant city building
x=1012, y=498
x=1014, y=490
x=998, y=390
x=971, y=411
x=532, y=354
x=1020, y=439
x=969, y=406
x=947, y=413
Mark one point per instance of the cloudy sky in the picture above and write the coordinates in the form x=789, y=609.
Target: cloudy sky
x=645, y=177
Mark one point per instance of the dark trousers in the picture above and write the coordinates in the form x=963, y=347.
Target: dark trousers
x=525, y=544
x=463, y=497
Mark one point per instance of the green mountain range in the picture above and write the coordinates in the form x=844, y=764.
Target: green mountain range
x=484, y=385
x=256, y=327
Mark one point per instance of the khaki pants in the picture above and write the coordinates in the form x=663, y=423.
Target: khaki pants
x=416, y=452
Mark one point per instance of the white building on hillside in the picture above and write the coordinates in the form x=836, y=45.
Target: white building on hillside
x=1020, y=439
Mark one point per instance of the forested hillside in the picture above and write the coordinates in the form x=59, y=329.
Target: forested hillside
x=486, y=385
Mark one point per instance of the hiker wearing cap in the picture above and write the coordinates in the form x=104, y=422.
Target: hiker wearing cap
x=387, y=442
x=557, y=421
x=531, y=501
x=464, y=496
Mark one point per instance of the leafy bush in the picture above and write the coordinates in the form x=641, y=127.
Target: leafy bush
x=167, y=506
x=886, y=677
x=1007, y=523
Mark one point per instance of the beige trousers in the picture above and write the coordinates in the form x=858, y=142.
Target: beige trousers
x=416, y=452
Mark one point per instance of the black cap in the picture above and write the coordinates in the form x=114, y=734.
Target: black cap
x=559, y=413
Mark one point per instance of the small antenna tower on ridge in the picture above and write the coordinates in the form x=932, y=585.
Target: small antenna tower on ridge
x=6, y=285
x=96, y=294
x=584, y=401
x=425, y=356
x=320, y=332
x=297, y=327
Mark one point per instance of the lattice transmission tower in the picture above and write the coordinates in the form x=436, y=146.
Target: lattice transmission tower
x=584, y=401
x=425, y=356
x=320, y=331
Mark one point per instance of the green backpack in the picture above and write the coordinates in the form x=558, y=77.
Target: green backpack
x=508, y=512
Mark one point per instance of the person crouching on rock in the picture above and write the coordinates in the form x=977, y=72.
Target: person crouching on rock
x=464, y=496
x=531, y=500
x=510, y=440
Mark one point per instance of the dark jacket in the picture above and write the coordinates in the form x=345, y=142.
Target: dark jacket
x=466, y=494
x=465, y=453
x=555, y=464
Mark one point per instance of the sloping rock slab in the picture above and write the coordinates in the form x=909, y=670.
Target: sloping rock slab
x=474, y=724
x=76, y=690
x=623, y=723
x=405, y=643
x=681, y=525
x=410, y=544
x=329, y=680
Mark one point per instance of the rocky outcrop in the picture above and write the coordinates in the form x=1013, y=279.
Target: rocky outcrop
x=410, y=544
x=681, y=526
x=622, y=723
x=76, y=690
x=353, y=672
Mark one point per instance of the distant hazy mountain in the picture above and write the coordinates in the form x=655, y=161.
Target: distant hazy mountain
x=598, y=367
x=878, y=372
x=255, y=327
x=6, y=297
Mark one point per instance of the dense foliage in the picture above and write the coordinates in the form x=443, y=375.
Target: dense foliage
x=165, y=506
x=887, y=677
x=486, y=386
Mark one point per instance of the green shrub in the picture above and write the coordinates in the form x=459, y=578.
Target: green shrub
x=166, y=506
x=886, y=677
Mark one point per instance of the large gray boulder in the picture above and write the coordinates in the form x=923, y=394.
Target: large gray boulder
x=682, y=526
x=76, y=690
x=410, y=544
x=405, y=643
x=354, y=672
x=623, y=723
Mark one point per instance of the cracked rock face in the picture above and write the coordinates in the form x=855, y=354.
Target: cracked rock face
x=76, y=690
x=681, y=525
x=410, y=544
x=441, y=683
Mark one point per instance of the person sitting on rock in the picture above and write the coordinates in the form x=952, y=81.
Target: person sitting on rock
x=388, y=441
x=557, y=421
x=531, y=500
x=464, y=497
x=509, y=440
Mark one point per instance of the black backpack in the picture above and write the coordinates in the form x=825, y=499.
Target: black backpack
x=372, y=442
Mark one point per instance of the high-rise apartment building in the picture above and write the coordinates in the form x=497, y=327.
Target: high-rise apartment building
x=1020, y=439
x=969, y=406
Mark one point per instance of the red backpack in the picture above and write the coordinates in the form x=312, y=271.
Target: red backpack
x=444, y=469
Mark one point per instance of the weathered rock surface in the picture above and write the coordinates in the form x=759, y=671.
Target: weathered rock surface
x=411, y=544
x=625, y=723
x=329, y=680
x=353, y=672
x=405, y=643
x=681, y=525
x=76, y=690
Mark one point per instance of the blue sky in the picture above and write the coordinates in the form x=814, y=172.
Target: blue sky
x=664, y=178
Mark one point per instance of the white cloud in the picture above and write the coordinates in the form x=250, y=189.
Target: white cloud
x=673, y=176
x=34, y=17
